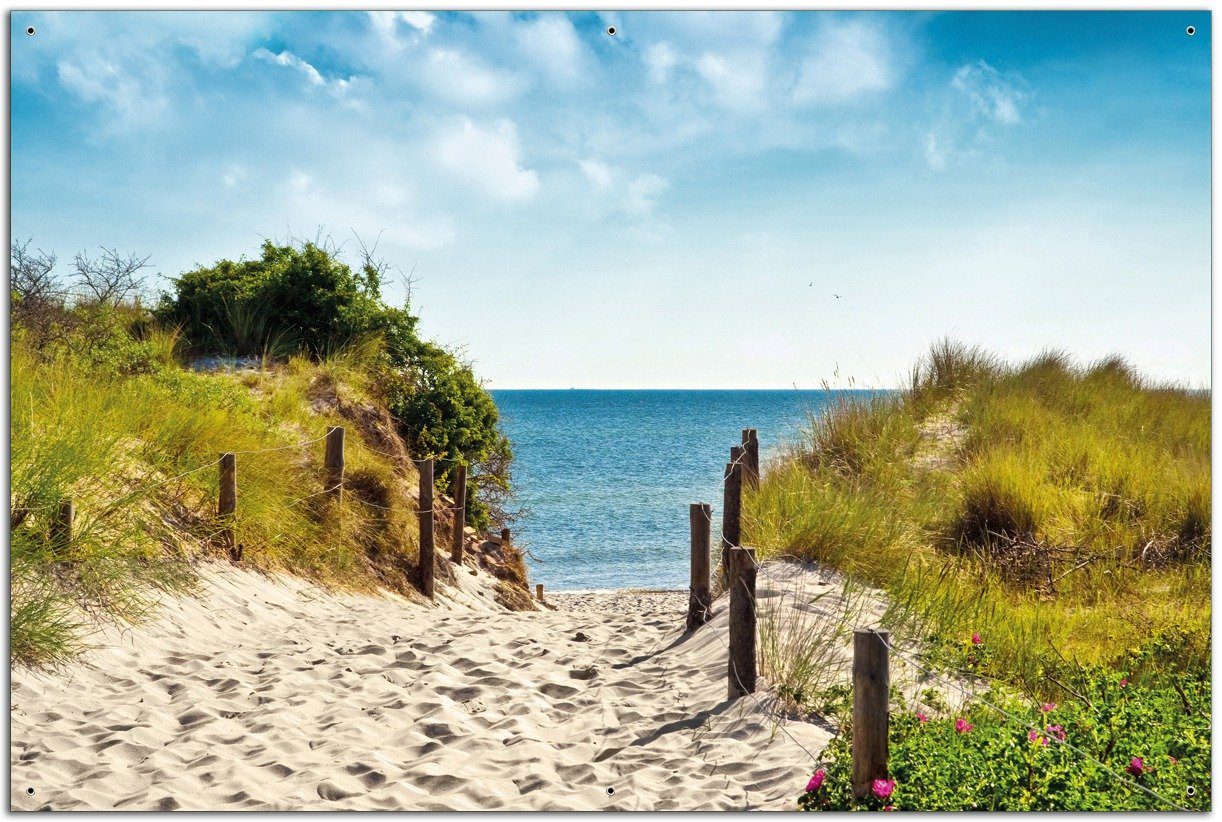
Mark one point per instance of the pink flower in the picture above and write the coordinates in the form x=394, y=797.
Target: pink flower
x=816, y=781
x=883, y=788
x=962, y=726
x=1048, y=707
x=1055, y=730
x=1137, y=766
x=1124, y=683
x=1174, y=761
x=1034, y=736
x=921, y=717
x=976, y=640
x=888, y=807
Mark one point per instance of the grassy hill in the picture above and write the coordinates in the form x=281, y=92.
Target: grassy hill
x=105, y=412
x=1057, y=513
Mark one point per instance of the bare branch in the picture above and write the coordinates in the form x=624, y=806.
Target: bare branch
x=111, y=278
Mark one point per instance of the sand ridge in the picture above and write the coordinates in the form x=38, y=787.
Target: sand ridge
x=273, y=694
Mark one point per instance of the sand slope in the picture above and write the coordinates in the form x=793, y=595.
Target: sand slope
x=272, y=694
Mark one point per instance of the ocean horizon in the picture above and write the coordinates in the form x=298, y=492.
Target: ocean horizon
x=606, y=475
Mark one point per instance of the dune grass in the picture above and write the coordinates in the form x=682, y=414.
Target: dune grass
x=136, y=452
x=1060, y=510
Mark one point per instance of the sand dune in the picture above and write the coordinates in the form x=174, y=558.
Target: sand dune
x=272, y=694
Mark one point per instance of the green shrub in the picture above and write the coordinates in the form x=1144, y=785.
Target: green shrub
x=1153, y=730
x=305, y=299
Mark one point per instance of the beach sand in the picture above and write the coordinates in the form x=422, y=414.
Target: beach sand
x=270, y=693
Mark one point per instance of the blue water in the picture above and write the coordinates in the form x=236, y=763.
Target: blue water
x=607, y=476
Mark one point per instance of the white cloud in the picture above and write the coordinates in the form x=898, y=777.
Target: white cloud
x=597, y=172
x=338, y=86
x=461, y=78
x=738, y=80
x=847, y=60
x=643, y=193
x=550, y=42
x=634, y=196
x=660, y=58
x=386, y=23
x=935, y=152
x=488, y=158
x=994, y=95
x=96, y=79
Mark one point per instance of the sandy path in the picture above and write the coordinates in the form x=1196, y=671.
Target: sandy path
x=265, y=694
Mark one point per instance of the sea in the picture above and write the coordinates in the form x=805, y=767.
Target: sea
x=605, y=478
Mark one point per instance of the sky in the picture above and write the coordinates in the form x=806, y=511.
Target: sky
x=699, y=200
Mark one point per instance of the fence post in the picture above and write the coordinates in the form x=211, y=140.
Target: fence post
x=460, y=513
x=739, y=568
x=333, y=463
x=742, y=666
x=425, y=516
x=751, y=455
x=731, y=507
x=227, y=503
x=871, y=688
x=505, y=540
x=539, y=592
x=61, y=526
x=700, y=599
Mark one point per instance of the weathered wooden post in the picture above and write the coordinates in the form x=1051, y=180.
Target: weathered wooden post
x=333, y=463
x=227, y=503
x=739, y=565
x=751, y=455
x=460, y=513
x=871, y=686
x=505, y=540
x=539, y=592
x=428, y=569
x=700, y=599
x=61, y=527
x=742, y=666
x=731, y=507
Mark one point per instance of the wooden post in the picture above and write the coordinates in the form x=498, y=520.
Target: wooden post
x=700, y=599
x=460, y=513
x=505, y=540
x=227, y=503
x=333, y=463
x=61, y=527
x=742, y=654
x=539, y=592
x=871, y=688
x=731, y=507
x=425, y=515
x=751, y=455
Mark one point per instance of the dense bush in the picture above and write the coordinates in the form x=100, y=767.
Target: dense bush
x=1149, y=727
x=294, y=299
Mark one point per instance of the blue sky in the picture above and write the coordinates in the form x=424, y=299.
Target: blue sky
x=677, y=205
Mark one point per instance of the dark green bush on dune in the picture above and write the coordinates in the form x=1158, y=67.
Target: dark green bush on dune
x=295, y=299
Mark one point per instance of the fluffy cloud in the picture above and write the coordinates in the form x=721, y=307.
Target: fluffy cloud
x=633, y=195
x=996, y=96
x=847, y=60
x=994, y=102
x=488, y=159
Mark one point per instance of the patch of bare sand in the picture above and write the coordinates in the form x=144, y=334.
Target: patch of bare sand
x=273, y=694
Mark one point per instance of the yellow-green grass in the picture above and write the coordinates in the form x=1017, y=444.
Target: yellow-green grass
x=1061, y=511
x=125, y=449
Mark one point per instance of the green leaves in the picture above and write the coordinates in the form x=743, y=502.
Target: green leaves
x=1013, y=761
